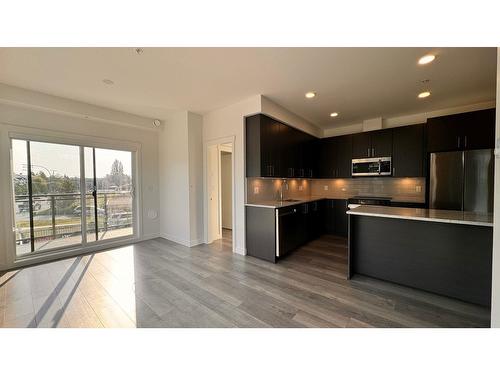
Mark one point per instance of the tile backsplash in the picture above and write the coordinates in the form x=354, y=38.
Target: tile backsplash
x=266, y=189
x=399, y=189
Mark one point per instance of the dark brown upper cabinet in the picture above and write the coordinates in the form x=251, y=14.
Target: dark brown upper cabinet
x=381, y=143
x=408, y=151
x=372, y=144
x=263, y=146
x=343, y=156
x=274, y=149
x=334, y=157
x=464, y=131
x=361, y=145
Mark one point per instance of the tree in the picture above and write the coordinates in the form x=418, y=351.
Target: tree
x=117, y=173
x=117, y=168
x=39, y=183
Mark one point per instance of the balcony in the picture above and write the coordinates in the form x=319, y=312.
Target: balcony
x=57, y=219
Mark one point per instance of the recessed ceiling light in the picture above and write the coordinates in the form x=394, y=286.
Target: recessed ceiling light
x=334, y=114
x=310, y=95
x=424, y=94
x=108, y=81
x=426, y=59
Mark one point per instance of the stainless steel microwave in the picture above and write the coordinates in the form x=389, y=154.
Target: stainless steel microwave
x=372, y=167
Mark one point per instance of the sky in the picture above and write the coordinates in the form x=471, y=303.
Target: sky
x=65, y=159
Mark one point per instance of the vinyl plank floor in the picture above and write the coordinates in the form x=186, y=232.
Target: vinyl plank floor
x=158, y=283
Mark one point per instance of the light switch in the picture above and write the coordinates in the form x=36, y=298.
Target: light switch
x=301, y=188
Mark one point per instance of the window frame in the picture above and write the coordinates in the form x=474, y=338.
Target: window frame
x=82, y=142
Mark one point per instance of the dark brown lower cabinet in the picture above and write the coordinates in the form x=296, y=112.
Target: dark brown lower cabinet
x=296, y=225
x=336, y=217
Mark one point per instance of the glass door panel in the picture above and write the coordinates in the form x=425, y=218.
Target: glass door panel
x=115, y=208
x=89, y=194
x=22, y=216
x=47, y=195
x=55, y=179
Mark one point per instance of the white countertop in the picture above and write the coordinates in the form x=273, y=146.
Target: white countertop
x=280, y=204
x=443, y=216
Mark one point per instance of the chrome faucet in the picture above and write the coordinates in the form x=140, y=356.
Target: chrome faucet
x=284, y=184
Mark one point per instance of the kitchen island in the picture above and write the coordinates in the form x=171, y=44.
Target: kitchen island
x=440, y=251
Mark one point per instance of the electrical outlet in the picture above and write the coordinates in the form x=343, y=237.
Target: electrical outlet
x=256, y=190
x=301, y=188
x=325, y=187
x=418, y=188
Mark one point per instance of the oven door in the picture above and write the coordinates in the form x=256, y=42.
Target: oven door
x=366, y=167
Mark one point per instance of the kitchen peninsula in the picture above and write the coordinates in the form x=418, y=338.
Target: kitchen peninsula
x=440, y=251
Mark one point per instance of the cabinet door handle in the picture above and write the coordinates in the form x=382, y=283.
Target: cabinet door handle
x=373, y=151
x=458, y=141
x=393, y=171
x=465, y=142
x=368, y=151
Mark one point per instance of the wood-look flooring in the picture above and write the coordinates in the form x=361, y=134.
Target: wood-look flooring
x=158, y=283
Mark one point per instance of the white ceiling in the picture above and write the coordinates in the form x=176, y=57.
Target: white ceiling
x=359, y=83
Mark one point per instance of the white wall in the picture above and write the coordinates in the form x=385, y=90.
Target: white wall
x=229, y=122
x=280, y=113
x=181, y=178
x=42, y=120
x=195, y=135
x=226, y=190
x=174, y=179
x=495, y=298
x=410, y=119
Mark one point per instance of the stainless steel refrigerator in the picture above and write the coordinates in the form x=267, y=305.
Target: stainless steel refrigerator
x=462, y=180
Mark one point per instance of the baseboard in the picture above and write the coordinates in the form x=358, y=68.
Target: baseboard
x=152, y=236
x=182, y=241
x=196, y=242
x=241, y=251
x=175, y=239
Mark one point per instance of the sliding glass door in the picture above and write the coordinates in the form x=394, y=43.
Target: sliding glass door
x=67, y=195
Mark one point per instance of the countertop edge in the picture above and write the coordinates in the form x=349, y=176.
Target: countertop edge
x=438, y=220
x=285, y=204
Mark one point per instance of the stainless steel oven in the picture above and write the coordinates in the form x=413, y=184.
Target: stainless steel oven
x=372, y=166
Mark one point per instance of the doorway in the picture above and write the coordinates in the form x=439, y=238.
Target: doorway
x=220, y=195
x=226, y=192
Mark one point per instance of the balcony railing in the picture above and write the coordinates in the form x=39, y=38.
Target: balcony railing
x=60, y=215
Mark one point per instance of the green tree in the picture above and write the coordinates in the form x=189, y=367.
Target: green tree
x=20, y=186
x=40, y=183
x=117, y=173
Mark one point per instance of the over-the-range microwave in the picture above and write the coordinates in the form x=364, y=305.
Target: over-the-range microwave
x=372, y=167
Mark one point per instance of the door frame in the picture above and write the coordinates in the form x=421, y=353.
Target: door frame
x=206, y=146
x=223, y=148
x=34, y=134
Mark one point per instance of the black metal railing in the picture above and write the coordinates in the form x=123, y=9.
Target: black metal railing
x=60, y=215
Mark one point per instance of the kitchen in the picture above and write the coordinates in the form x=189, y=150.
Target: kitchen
x=409, y=202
